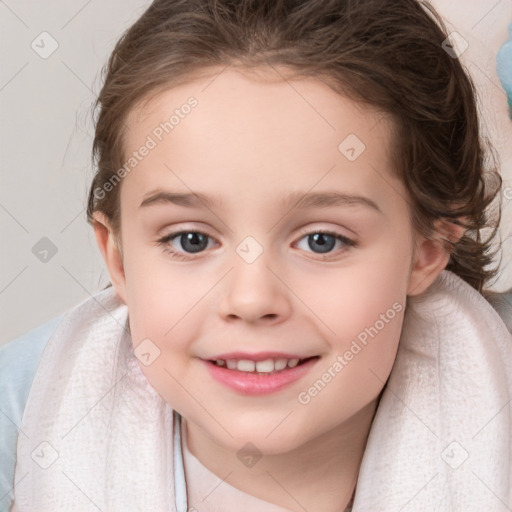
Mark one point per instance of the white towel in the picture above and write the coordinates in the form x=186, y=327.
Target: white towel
x=441, y=439
x=96, y=435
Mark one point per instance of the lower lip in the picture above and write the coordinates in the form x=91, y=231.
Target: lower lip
x=256, y=384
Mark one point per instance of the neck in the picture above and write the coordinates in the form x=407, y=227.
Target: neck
x=319, y=475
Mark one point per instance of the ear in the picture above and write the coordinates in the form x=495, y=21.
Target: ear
x=432, y=255
x=110, y=248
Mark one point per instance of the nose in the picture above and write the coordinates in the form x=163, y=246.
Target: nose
x=253, y=293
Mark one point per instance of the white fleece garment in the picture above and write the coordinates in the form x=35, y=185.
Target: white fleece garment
x=96, y=435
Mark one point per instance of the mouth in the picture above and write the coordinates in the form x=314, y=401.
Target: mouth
x=263, y=377
x=267, y=366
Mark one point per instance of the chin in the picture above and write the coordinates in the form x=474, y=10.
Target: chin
x=271, y=437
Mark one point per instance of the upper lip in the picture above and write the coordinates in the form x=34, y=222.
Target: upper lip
x=260, y=356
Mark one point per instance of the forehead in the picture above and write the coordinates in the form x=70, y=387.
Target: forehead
x=258, y=132
x=273, y=96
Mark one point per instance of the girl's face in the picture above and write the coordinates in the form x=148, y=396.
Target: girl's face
x=296, y=243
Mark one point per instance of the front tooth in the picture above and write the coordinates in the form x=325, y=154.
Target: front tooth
x=244, y=365
x=266, y=366
x=292, y=363
x=231, y=364
x=280, y=364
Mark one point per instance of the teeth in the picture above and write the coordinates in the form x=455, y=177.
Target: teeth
x=266, y=366
x=244, y=365
x=280, y=364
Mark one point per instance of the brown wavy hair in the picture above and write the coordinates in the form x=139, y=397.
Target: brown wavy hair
x=388, y=54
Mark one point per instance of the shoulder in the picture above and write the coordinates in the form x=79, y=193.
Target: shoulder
x=19, y=360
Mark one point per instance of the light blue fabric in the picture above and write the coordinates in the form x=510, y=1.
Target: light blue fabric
x=18, y=364
x=180, y=486
x=504, y=67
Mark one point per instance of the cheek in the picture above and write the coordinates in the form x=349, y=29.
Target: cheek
x=156, y=294
x=362, y=309
x=163, y=301
x=159, y=322
x=352, y=378
x=350, y=299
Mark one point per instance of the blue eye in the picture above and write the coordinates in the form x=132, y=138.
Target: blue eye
x=322, y=242
x=191, y=242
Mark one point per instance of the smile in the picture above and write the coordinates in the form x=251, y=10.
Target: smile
x=259, y=377
x=264, y=367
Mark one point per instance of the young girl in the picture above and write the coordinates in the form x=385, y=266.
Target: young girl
x=291, y=200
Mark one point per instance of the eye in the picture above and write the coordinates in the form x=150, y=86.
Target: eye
x=322, y=242
x=194, y=242
x=191, y=242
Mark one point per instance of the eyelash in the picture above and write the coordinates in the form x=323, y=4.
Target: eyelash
x=164, y=242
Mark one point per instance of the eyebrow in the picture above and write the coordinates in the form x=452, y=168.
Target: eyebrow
x=293, y=201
